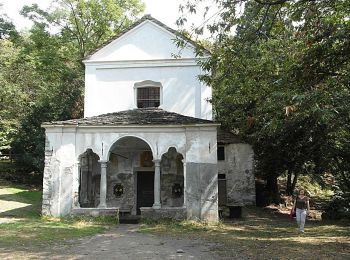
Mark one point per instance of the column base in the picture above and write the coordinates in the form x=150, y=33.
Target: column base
x=102, y=205
x=156, y=206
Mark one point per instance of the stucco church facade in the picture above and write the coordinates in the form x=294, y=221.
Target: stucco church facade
x=147, y=144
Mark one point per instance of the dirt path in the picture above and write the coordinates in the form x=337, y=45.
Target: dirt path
x=122, y=242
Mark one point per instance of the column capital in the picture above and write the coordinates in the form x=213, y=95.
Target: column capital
x=103, y=163
x=156, y=161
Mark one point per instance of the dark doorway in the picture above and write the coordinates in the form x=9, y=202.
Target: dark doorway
x=145, y=190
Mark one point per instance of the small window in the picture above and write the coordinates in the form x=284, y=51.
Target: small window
x=221, y=176
x=148, y=97
x=221, y=153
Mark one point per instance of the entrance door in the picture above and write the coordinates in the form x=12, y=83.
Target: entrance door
x=145, y=190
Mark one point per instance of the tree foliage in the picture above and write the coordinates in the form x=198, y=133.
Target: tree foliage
x=42, y=76
x=87, y=23
x=281, y=81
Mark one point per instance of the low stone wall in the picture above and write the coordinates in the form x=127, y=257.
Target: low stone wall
x=178, y=213
x=95, y=212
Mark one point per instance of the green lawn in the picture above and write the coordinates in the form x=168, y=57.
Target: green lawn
x=261, y=234
x=21, y=224
x=264, y=235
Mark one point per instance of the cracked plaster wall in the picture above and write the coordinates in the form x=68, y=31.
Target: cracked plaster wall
x=238, y=168
x=196, y=144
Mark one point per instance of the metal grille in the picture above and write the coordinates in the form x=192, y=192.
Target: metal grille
x=148, y=97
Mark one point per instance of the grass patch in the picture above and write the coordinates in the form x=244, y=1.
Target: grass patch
x=34, y=232
x=263, y=235
x=21, y=223
x=19, y=201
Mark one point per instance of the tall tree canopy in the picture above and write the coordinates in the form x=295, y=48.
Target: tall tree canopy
x=280, y=77
x=42, y=76
x=87, y=23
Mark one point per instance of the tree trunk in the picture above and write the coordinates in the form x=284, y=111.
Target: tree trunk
x=295, y=179
x=272, y=188
x=289, y=189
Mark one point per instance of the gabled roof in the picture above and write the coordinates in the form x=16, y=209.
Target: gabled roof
x=140, y=21
x=139, y=116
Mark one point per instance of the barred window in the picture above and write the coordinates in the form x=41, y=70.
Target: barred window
x=148, y=97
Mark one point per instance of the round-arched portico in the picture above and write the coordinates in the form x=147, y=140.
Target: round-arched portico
x=130, y=174
x=130, y=178
x=142, y=164
x=129, y=140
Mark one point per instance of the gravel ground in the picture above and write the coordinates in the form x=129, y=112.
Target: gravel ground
x=122, y=242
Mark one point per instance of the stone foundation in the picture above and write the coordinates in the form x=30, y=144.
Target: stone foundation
x=95, y=212
x=177, y=213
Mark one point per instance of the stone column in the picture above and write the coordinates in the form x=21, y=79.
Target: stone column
x=184, y=189
x=48, y=184
x=103, y=184
x=156, y=204
x=76, y=183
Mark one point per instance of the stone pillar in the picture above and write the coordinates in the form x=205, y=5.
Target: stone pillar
x=76, y=183
x=184, y=189
x=47, y=184
x=156, y=204
x=103, y=184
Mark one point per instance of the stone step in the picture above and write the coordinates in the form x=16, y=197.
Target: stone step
x=129, y=219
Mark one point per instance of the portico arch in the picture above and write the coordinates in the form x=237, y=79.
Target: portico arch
x=172, y=178
x=122, y=139
x=130, y=174
x=89, y=179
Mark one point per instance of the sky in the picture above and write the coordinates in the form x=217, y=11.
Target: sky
x=166, y=11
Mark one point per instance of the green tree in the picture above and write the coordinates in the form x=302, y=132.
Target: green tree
x=87, y=23
x=45, y=71
x=7, y=28
x=281, y=81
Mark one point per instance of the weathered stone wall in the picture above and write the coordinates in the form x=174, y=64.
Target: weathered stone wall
x=201, y=187
x=90, y=175
x=196, y=144
x=164, y=212
x=58, y=172
x=172, y=178
x=168, y=199
x=239, y=171
x=202, y=191
x=47, y=184
x=120, y=171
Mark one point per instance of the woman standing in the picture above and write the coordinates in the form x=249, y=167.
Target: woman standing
x=302, y=208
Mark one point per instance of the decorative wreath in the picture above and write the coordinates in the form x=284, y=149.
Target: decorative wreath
x=177, y=190
x=118, y=190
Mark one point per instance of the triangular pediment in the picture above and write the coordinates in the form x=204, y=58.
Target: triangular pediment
x=148, y=40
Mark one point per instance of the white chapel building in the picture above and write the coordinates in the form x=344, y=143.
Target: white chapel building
x=147, y=144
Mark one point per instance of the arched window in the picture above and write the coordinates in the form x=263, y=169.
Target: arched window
x=148, y=94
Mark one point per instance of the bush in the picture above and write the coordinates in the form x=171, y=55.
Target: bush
x=339, y=206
